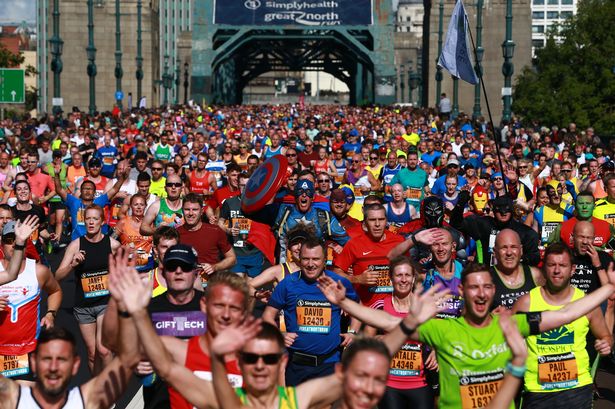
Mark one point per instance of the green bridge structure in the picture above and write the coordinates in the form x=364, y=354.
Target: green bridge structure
x=235, y=41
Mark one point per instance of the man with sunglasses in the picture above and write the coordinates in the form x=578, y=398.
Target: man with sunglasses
x=167, y=211
x=158, y=182
x=93, y=174
x=308, y=156
x=484, y=229
x=549, y=217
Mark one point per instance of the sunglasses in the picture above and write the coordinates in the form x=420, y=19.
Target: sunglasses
x=176, y=184
x=171, y=266
x=291, y=155
x=323, y=180
x=356, y=161
x=251, y=359
x=494, y=179
x=9, y=239
x=160, y=169
x=373, y=157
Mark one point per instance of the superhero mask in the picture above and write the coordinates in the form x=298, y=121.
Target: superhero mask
x=502, y=204
x=433, y=212
x=479, y=200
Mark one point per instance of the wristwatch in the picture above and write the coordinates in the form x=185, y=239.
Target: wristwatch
x=516, y=371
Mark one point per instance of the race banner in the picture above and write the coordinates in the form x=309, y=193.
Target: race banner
x=293, y=12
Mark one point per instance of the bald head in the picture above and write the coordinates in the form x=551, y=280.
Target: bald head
x=583, y=237
x=583, y=227
x=507, y=236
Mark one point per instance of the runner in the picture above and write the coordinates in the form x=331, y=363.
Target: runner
x=313, y=325
x=55, y=362
x=511, y=278
x=87, y=257
x=364, y=258
x=558, y=366
x=412, y=178
x=167, y=211
x=127, y=232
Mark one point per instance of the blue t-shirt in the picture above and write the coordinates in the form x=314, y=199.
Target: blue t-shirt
x=77, y=214
x=439, y=186
x=352, y=147
x=308, y=313
x=107, y=157
x=431, y=158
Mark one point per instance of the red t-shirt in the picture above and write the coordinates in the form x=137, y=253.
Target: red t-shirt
x=39, y=183
x=602, y=231
x=362, y=253
x=221, y=195
x=209, y=242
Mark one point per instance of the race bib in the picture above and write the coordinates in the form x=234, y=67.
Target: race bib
x=478, y=390
x=384, y=281
x=95, y=284
x=81, y=216
x=610, y=218
x=314, y=316
x=557, y=371
x=14, y=365
x=408, y=361
x=547, y=229
x=413, y=193
x=243, y=224
x=108, y=160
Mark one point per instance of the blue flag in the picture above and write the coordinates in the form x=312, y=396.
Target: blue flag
x=456, y=57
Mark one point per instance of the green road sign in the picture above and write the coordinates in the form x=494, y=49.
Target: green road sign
x=12, y=86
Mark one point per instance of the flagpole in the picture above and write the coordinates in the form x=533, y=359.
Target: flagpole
x=479, y=73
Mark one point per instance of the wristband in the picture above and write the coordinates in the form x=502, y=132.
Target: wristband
x=52, y=312
x=123, y=314
x=405, y=329
x=20, y=246
x=416, y=243
x=351, y=331
x=516, y=371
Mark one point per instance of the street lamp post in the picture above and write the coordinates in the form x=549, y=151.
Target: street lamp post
x=139, y=72
x=56, y=51
x=401, y=81
x=177, y=81
x=119, y=73
x=479, y=57
x=414, y=83
x=166, y=80
x=419, y=72
x=438, y=68
x=91, y=53
x=455, y=110
x=508, y=51
x=186, y=83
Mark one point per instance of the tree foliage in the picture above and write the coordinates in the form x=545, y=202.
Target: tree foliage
x=573, y=79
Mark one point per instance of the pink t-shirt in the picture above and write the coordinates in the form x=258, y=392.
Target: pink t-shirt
x=40, y=183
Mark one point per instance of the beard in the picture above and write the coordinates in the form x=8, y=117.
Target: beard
x=53, y=392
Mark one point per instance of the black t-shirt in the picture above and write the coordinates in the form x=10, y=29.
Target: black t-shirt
x=36, y=210
x=585, y=276
x=180, y=321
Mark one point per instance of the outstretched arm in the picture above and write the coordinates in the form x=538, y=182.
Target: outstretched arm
x=335, y=292
x=23, y=231
x=510, y=386
x=423, y=307
x=106, y=388
x=136, y=295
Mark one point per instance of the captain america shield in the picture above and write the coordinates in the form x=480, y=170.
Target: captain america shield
x=264, y=183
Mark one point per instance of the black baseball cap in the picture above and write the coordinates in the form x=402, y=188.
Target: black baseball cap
x=182, y=253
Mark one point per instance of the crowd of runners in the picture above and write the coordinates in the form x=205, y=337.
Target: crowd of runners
x=408, y=260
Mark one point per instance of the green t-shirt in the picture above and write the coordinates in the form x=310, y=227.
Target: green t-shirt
x=413, y=182
x=471, y=360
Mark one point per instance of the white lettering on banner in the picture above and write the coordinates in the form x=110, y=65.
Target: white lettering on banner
x=180, y=324
x=459, y=351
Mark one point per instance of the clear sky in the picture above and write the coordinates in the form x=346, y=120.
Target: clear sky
x=18, y=10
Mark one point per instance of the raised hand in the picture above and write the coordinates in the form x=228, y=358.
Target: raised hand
x=334, y=292
x=425, y=306
x=23, y=230
x=125, y=284
x=515, y=341
x=232, y=339
x=430, y=236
